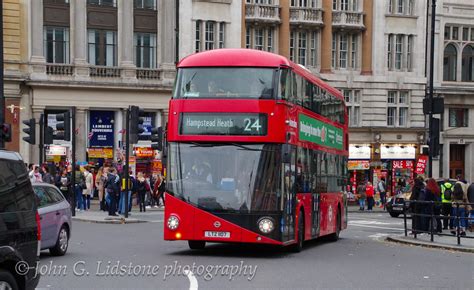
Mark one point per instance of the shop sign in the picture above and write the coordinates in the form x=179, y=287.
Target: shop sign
x=106, y=153
x=402, y=164
x=320, y=133
x=102, y=129
x=148, y=123
x=397, y=152
x=358, y=165
x=144, y=152
x=56, y=150
x=421, y=164
x=157, y=166
x=359, y=152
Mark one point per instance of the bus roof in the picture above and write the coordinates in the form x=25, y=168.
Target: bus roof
x=234, y=57
x=229, y=57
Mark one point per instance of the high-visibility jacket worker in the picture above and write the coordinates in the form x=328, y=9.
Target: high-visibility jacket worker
x=445, y=186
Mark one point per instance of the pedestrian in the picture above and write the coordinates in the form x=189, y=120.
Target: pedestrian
x=361, y=195
x=141, y=191
x=35, y=175
x=432, y=194
x=87, y=192
x=446, y=206
x=79, y=187
x=369, y=190
x=382, y=189
x=162, y=189
x=156, y=182
x=460, y=209
x=100, y=180
x=122, y=203
x=416, y=192
x=470, y=198
x=47, y=177
x=112, y=187
x=63, y=182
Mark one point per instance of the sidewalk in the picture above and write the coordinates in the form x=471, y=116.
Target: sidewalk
x=440, y=242
x=94, y=215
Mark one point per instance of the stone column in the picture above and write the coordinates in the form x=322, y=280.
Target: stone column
x=79, y=20
x=326, y=38
x=168, y=39
x=38, y=61
x=164, y=118
x=367, y=37
x=244, y=26
x=284, y=33
x=81, y=129
x=125, y=35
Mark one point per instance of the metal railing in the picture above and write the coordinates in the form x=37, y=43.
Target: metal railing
x=426, y=210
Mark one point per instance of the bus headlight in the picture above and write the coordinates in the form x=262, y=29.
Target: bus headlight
x=173, y=222
x=265, y=225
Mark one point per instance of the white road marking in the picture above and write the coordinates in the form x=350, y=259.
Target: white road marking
x=376, y=227
x=193, y=283
x=367, y=222
x=157, y=221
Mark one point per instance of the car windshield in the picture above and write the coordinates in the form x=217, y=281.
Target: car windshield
x=225, y=82
x=226, y=177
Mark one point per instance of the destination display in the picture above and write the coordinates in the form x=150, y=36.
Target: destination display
x=230, y=124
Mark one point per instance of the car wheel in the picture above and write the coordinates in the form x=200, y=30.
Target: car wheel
x=296, y=248
x=335, y=236
x=196, y=245
x=62, y=243
x=394, y=214
x=7, y=281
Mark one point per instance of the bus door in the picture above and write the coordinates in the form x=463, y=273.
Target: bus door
x=289, y=196
x=316, y=197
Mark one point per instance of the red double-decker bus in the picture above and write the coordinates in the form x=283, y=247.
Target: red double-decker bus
x=257, y=152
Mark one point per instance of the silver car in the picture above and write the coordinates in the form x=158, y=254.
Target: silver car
x=55, y=215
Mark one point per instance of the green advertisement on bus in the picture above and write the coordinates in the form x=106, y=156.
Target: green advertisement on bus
x=320, y=133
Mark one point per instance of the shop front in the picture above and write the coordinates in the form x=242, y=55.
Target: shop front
x=144, y=158
x=56, y=154
x=400, y=161
x=359, y=165
x=101, y=137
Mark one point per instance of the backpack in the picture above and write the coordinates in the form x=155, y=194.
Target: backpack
x=448, y=192
x=422, y=196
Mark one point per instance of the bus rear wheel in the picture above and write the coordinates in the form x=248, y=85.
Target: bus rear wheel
x=196, y=245
x=335, y=236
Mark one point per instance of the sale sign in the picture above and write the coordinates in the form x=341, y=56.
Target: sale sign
x=421, y=164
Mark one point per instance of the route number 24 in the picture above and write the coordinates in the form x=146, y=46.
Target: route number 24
x=252, y=125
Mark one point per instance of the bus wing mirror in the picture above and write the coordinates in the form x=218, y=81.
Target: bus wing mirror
x=286, y=153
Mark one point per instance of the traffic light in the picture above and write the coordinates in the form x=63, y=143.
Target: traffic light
x=30, y=130
x=6, y=131
x=48, y=135
x=157, y=138
x=434, y=138
x=136, y=123
x=63, y=126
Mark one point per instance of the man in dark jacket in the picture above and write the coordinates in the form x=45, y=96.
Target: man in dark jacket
x=416, y=195
x=113, y=190
x=470, y=198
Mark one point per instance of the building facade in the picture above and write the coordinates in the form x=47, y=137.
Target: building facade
x=374, y=52
x=100, y=56
x=454, y=80
x=15, y=45
x=208, y=24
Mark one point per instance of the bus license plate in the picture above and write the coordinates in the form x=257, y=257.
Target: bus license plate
x=211, y=234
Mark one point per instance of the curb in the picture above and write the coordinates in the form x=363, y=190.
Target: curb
x=429, y=245
x=114, y=221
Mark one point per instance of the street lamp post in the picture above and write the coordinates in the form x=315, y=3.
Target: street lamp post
x=430, y=95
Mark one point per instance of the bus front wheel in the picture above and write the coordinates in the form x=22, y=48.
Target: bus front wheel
x=296, y=248
x=196, y=245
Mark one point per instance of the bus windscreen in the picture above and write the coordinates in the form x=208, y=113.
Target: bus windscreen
x=226, y=82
